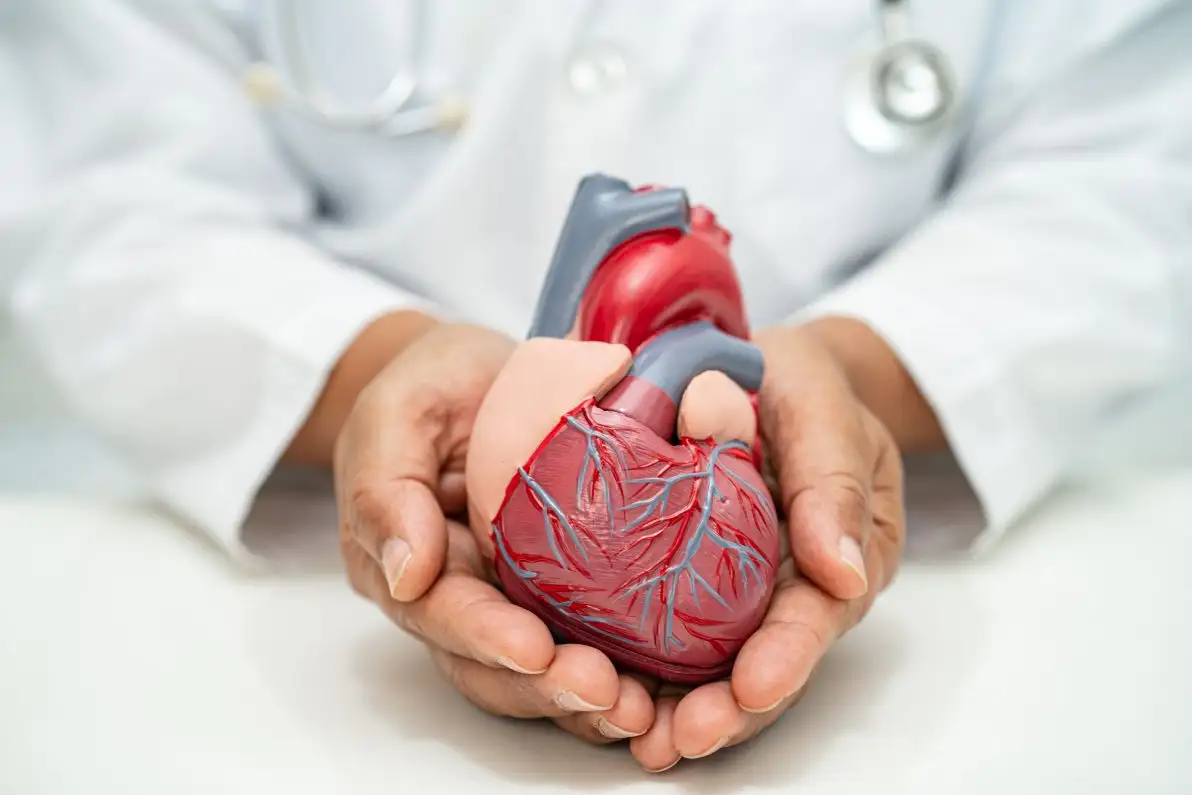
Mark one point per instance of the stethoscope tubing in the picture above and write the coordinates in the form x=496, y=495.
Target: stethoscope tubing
x=870, y=118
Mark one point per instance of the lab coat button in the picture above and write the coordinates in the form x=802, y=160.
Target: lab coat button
x=596, y=70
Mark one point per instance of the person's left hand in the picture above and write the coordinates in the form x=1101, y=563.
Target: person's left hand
x=839, y=483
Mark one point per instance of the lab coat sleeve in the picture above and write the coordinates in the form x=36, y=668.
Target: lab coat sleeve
x=150, y=262
x=1051, y=289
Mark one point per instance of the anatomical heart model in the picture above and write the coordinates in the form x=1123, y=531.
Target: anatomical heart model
x=613, y=468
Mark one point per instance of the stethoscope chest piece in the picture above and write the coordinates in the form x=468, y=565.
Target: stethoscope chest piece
x=898, y=97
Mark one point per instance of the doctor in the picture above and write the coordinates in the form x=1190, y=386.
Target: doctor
x=240, y=234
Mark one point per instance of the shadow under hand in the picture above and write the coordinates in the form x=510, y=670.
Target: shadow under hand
x=407, y=691
x=869, y=715
x=837, y=702
x=874, y=703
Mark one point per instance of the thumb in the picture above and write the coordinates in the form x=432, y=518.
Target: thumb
x=400, y=526
x=387, y=468
x=820, y=453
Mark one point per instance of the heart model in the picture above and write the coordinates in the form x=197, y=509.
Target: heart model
x=613, y=467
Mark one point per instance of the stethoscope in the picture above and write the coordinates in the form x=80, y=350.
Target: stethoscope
x=898, y=94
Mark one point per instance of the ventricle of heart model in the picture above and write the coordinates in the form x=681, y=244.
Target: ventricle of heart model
x=613, y=470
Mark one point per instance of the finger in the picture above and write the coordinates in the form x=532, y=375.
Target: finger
x=631, y=716
x=655, y=750
x=452, y=493
x=467, y=617
x=580, y=679
x=714, y=407
x=771, y=671
x=706, y=720
x=751, y=724
x=824, y=462
x=799, y=628
x=712, y=717
x=652, y=684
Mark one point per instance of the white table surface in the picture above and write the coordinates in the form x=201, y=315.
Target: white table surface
x=136, y=660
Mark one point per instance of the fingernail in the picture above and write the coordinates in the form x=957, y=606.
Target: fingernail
x=764, y=710
x=506, y=662
x=663, y=769
x=395, y=555
x=723, y=741
x=573, y=703
x=850, y=554
x=613, y=731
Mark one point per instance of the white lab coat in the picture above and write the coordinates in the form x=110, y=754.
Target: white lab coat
x=164, y=265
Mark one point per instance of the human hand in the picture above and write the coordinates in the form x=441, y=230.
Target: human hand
x=399, y=472
x=839, y=479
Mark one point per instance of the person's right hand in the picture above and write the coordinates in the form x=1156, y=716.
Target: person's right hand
x=399, y=465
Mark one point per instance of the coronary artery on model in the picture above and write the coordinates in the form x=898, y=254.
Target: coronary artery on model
x=620, y=530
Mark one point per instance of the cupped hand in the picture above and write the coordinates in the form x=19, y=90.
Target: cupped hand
x=839, y=483
x=399, y=472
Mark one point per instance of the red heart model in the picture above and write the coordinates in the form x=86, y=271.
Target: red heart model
x=620, y=530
